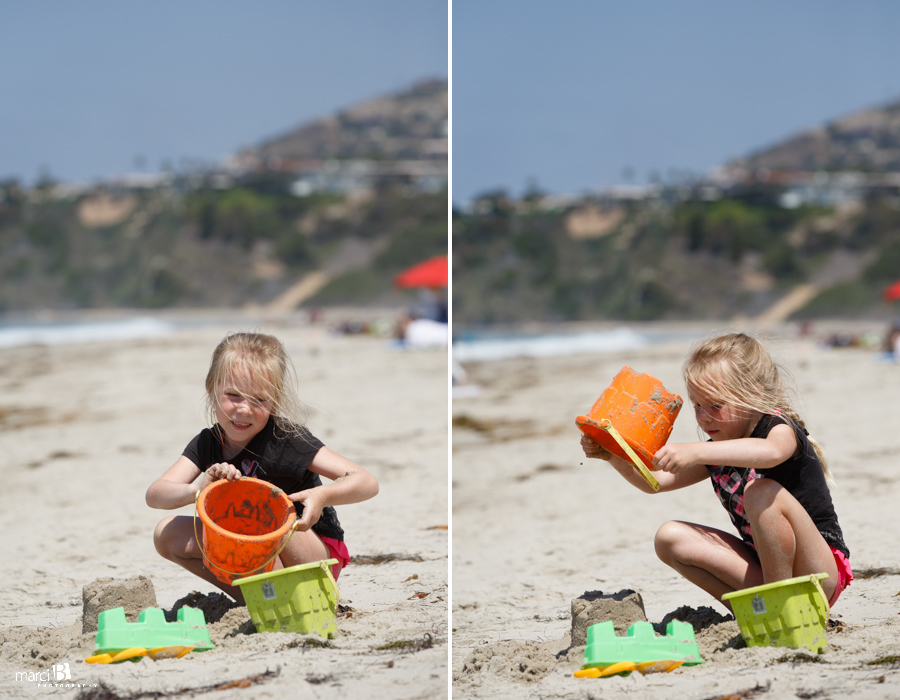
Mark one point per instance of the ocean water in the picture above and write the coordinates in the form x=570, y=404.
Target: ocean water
x=15, y=334
x=474, y=347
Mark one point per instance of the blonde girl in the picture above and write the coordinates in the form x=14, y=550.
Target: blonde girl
x=257, y=430
x=769, y=475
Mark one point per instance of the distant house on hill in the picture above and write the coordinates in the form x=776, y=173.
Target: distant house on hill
x=348, y=176
x=813, y=188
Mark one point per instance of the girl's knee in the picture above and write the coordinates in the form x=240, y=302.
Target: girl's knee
x=760, y=494
x=162, y=536
x=667, y=536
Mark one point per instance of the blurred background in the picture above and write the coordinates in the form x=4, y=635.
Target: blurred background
x=650, y=161
x=268, y=158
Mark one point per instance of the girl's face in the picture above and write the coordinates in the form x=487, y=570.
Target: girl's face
x=723, y=421
x=242, y=409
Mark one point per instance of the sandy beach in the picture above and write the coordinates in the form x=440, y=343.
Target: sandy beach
x=87, y=426
x=536, y=526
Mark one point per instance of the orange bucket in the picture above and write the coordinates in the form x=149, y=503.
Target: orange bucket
x=246, y=524
x=640, y=409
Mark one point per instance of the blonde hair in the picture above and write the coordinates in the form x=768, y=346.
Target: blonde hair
x=263, y=359
x=737, y=369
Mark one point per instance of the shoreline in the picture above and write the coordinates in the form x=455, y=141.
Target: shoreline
x=193, y=314
x=537, y=341
x=109, y=326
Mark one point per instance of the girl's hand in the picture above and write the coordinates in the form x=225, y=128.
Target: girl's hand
x=223, y=470
x=313, y=503
x=676, y=458
x=593, y=449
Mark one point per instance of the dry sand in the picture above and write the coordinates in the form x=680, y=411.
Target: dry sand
x=536, y=525
x=85, y=429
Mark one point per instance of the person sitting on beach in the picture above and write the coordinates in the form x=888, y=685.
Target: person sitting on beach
x=257, y=431
x=769, y=475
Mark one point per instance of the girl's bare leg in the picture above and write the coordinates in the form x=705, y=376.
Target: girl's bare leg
x=786, y=538
x=302, y=548
x=716, y=561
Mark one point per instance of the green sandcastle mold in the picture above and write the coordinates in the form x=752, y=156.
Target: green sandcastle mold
x=641, y=644
x=151, y=630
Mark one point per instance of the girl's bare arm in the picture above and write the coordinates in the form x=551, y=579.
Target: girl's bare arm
x=667, y=481
x=350, y=483
x=747, y=453
x=178, y=485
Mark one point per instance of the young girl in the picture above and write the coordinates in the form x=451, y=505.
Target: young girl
x=258, y=431
x=768, y=474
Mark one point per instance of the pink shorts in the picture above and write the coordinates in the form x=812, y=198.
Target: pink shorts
x=340, y=552
x=845, y=574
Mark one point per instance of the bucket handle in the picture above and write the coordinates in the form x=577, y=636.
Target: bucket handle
x=239, y=574
x=607, y=425
x=816, y=580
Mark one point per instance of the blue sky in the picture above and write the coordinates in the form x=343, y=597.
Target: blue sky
x=95, y=88
x=570, y=95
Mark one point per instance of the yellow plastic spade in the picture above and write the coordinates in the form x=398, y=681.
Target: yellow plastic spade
x=136, y=653
x=626, y=667
x=623, y=667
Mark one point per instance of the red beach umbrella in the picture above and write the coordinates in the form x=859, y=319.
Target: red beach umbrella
x=892, y=292
x=430, y=273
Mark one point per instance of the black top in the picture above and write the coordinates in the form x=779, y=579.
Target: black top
x=282, y=460
x=801, y=475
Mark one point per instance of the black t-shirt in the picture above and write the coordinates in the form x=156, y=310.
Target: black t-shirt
x=801, y=475
x=273, y=456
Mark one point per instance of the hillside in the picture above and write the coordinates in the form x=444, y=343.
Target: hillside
x=212, y=248
x=248, y=236
x=409, y=125
x=867, y=141
x=742, y=255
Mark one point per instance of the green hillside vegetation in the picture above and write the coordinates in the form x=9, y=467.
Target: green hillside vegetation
x=667, y=258
x=209, y=247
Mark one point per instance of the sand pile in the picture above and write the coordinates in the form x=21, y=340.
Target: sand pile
x=135, y=594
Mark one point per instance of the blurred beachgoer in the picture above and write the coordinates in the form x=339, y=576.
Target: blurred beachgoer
x=770, y=476
x=892, y=341
x=433, y=305
x=258, y=431
x=425, y=333
x=415, y=331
